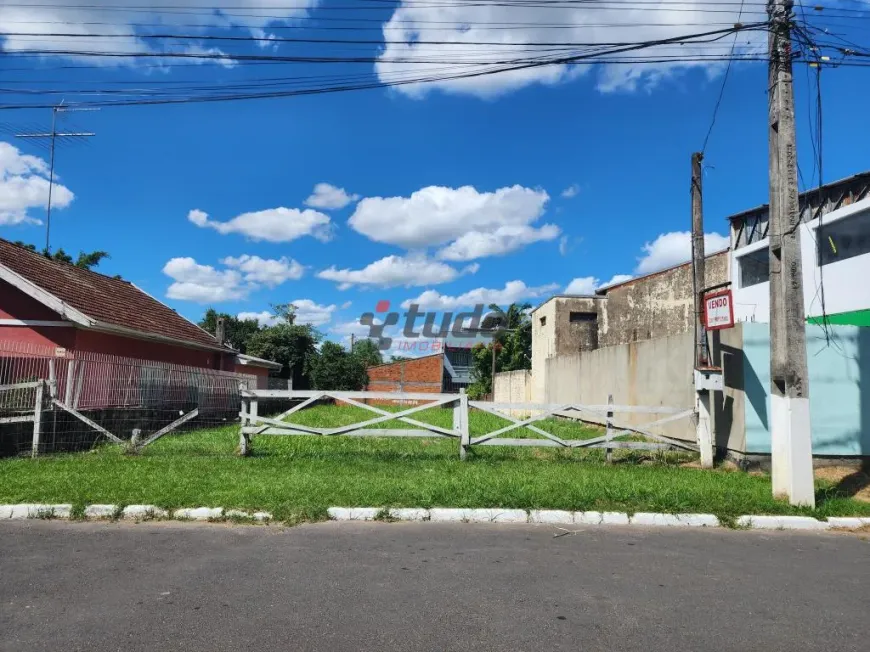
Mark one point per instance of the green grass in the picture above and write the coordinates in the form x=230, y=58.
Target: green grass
x=297, y=478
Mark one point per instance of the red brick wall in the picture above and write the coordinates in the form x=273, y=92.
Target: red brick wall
x=420, y=375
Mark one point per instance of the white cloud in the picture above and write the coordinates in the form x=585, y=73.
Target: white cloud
x=272, y=225
x=329, y=197
x=348, y=328
x=564, y=245
x=476, y=223
x=587, y=285
x=395, y=271
x=24, y=186
x=513, y=292
x=203, y=283
x=583, y=285
x=346, y=305
x=616, y=280
x=503, y=240
x=307, y=312
x=571, y=191
x=674, y=248
x=269, y=272
x=311, y=312
x=103, y=17
x=463, y=26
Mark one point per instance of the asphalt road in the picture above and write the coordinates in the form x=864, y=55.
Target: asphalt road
x=401, y=586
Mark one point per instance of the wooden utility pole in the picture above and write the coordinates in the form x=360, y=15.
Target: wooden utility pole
x=791, y=445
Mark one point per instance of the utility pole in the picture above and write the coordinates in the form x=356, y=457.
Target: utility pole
x=698, y=260
x=703, y=393
x=352, y=341
x=791, y=445
x=53, y=135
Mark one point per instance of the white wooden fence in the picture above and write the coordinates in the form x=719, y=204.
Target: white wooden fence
x=253, y=424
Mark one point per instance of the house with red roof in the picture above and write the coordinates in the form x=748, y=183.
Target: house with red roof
x=47, y=303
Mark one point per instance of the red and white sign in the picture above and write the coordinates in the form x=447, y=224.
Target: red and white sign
x=718, y=310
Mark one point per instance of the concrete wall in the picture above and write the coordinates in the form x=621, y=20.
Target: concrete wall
x=513, y=386
x=543, y=347
x=839, y=389
x=729, y=406
x=842, y=293
x=558, y=335
x=658, y=305
x=655, y=373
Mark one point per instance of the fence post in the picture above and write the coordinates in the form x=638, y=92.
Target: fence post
x=244, y=438
x=37, y=418
x=460, y=423
x=52, y=392
x=609, y=433
x=70, y=382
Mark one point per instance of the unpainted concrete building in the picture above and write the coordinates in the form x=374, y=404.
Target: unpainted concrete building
x=648, y=307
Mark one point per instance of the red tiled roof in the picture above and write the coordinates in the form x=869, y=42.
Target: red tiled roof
x=105, y=299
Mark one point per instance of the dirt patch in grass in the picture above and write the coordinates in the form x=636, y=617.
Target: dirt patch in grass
x=847, y=481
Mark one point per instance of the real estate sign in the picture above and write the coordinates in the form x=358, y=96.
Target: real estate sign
x=718, y=310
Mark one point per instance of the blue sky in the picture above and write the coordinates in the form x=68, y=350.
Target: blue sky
x=435, y=194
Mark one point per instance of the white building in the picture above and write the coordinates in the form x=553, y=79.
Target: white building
x=835, y=247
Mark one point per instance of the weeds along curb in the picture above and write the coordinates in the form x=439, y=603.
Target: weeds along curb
x=435, y=515
x=559, y=517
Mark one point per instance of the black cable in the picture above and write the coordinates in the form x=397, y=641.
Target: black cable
x=722, y=88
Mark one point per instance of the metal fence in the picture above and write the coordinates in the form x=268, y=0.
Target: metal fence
x=516, y=431
x=52, y=399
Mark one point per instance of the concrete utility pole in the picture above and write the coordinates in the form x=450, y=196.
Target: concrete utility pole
x=698, y=266
x=791, y=445
x=703, y=392
x=53, y=136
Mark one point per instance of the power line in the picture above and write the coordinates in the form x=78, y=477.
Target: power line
x=721, y=89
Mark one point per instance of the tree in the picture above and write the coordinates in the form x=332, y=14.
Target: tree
x=292, y=345
x=367, y=351
x=334, y=368
x=513, y=347
x=236, y=331
x=84, y=261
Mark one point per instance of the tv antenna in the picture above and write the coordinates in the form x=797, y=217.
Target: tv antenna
x=52, y=136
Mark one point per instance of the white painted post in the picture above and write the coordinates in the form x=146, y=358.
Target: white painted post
x=37, y=418
x=460, y=423
x=70, y=382
x=52, y=379
x=609, y=433
x=705, y=433
x=244, y=438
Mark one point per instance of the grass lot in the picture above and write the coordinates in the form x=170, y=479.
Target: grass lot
x=297, y=478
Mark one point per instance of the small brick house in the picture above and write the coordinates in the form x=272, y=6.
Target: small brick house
x=49, y=304
x=446, y=371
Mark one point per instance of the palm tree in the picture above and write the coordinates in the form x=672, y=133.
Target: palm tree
x=516, y=317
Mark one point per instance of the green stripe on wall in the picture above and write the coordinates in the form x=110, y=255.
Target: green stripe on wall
x=854, y=318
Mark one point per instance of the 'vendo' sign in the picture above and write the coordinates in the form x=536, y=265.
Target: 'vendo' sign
x=718, y=310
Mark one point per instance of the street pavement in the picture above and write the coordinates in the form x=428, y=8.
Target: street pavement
x=403, y=586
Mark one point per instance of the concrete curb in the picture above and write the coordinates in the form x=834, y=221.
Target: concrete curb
x=130, y=512
x=561, y=517
x=438, y=515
